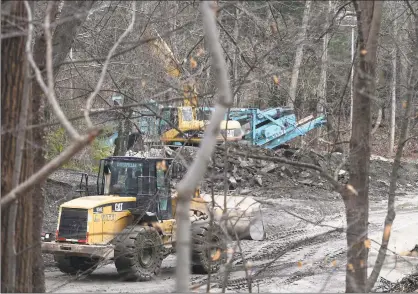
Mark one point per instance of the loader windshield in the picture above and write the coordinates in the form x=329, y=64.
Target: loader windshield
x=187, y=113
x=127, y=177
x=121, y=177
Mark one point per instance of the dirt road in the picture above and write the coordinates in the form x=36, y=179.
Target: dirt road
x=304, y=251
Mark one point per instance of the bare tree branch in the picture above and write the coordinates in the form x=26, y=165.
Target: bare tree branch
x=195, y=173
x=90, y=99
x=133, y=47
x=46, y=89
x=79, y=143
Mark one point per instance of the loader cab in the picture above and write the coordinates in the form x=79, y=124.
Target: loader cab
x=144, y=178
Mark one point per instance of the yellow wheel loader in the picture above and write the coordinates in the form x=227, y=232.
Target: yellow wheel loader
x=131, y=221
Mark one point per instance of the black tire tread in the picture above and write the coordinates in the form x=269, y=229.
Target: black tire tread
x=126, y=262
x=200, y=263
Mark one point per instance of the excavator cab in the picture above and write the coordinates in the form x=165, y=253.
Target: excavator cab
x=178, y=116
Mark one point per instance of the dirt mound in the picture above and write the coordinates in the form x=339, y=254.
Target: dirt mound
x=245, y=174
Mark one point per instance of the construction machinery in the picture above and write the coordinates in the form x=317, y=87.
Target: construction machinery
x=271, y=128
x=189, y=130
x=178, y=125
x=131, y=221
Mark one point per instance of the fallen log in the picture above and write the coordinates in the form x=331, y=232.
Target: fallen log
x=244, y=216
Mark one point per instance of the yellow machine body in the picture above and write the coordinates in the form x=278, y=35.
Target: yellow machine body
x=230, y=131
x=108, y=215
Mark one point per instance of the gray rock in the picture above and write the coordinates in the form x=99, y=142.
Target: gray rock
x=269, y=168
x=305, y=174
x=306, y=182
x=244, y=163
x=258, y=180
x=286, y=171
x=245, y=191
x=232, y=181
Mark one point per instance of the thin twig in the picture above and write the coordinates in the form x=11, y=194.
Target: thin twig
x=137, y=44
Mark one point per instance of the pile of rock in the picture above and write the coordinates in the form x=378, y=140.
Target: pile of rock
x=244, y=173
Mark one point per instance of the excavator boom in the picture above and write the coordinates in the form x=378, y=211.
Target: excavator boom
x=173, y=68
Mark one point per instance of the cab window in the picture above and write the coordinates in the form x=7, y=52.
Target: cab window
x=123, y=178
x=168, y=115
x=187, y=114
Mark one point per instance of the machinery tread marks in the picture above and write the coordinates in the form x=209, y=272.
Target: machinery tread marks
x=74, y=265
x=139, y=253
x=202, y=260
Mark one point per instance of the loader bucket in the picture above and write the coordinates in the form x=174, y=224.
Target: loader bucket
x=244, y=218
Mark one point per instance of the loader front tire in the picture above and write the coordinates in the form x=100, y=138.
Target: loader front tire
x=74, y=265
x=209, y=247
x=139, y=253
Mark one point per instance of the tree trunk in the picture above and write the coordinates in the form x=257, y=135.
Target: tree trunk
x=391, y=212
x=322, y=86
x=299, y=55
x=236, y=58
x=357, y=202
x=393, y=100
x=414, y=57
x=62, y=40
x=124, y=129
x=14, y=66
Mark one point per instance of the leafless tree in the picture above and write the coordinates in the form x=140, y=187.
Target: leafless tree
x=71, y=57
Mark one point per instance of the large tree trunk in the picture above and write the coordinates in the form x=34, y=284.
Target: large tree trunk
x=62, y=40
x=357, y=202
x=14, y=66
x=299, y=54
x=322, y=85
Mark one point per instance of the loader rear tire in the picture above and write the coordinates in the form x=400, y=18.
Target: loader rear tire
x=204, y=258
x=74, y=265
x=139, y=253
